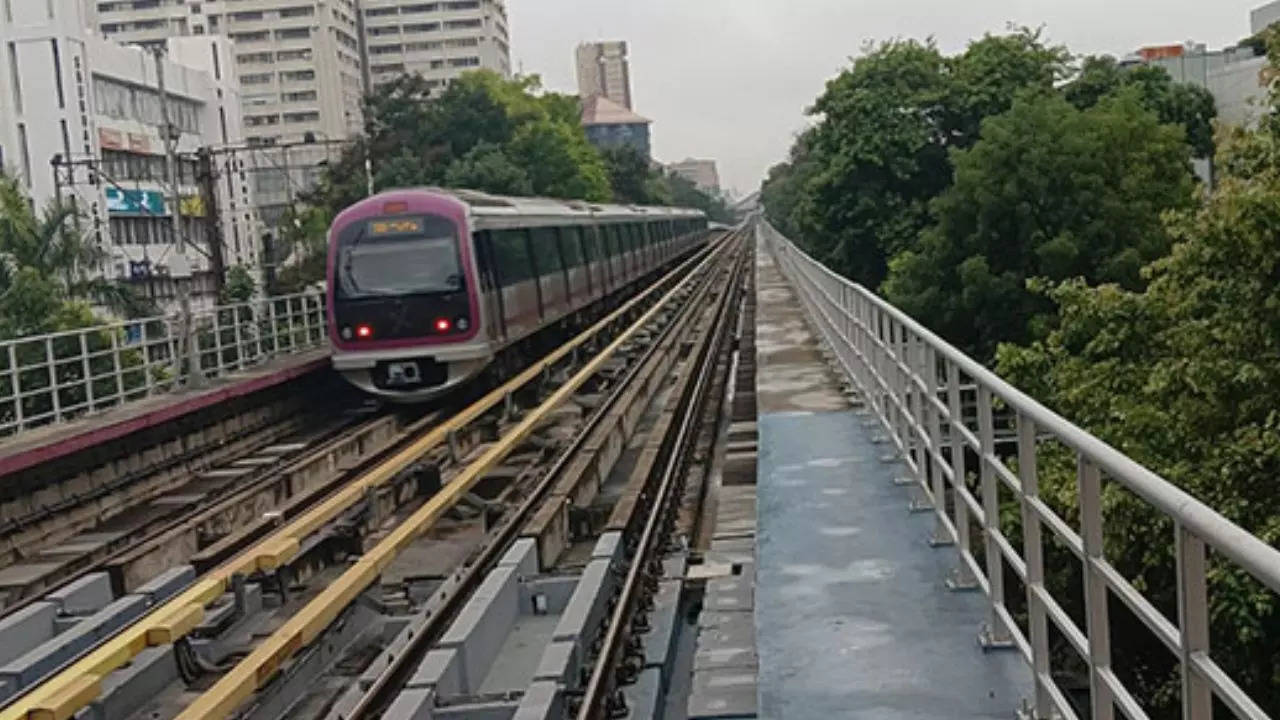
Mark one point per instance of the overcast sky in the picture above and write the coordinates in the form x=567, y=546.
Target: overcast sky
x=729, y=79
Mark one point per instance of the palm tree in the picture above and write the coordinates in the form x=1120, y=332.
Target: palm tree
x=50, y=244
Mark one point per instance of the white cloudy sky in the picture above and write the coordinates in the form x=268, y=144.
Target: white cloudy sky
x=730, y=79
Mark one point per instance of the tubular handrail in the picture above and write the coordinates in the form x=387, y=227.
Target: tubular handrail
x=56, y=377
x=874, y=342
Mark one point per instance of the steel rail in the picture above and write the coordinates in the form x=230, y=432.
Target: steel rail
x=79, y=683
x=600, y=687
x=374, y=699
x=309, y=623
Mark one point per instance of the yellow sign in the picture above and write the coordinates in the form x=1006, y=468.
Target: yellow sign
x=393, y=227
x=192, y=206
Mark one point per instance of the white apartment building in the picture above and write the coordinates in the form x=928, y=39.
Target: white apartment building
x=298, y=61
x=603, y=69
x=305, y=65
x=80, y=119
x=439, y=40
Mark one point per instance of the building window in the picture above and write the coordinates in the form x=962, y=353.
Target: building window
x=287, y=55
x=254, y=58
x=298, y=76
x=386, y=49
x=303, y=96
x=382, y=31
x=462, y=24
x=260, y=36
x=304, y=11
x=420, y=46
x=462, y=42
x=246, y=16
x=462, y=5
x=302, y=117
x=429, y=7
x=293, y=34
x=464, y=62
x=15, y=78
x=422, y=27
x=381, y=12
x=392, y=68
x=256, y=79
x=25, y=153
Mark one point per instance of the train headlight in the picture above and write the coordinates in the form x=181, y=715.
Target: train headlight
x=443, y=325
x=346, y=332
x=364, y=332
x=462, y=324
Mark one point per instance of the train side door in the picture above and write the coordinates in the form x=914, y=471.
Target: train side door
x=490, y=289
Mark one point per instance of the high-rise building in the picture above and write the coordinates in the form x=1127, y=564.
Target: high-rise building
x=603, y=69
x=298, y=61
x=439, y=40
x=305, y=65
x=702, y=173
x=81, y=120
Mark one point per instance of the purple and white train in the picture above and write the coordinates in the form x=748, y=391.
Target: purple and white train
x=428, y=287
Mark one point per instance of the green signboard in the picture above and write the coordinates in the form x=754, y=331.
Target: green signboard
x=135, y=202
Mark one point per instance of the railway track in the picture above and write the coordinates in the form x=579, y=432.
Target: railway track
x=123, y=539
x=320, y=527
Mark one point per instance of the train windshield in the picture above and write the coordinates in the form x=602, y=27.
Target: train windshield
x=399, y=256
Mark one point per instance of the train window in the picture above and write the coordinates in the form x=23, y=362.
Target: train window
x=511, y=249
x=571, y=246
x=546, y=250
x=589, y=250
x=611, y=240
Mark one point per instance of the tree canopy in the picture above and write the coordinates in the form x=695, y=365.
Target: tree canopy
x=921, y=179
x=1049, y=193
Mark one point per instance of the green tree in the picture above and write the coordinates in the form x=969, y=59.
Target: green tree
x=52, y=245
x=858, y=186
x=1183, y=104
x=1048, y=193
x=631, y=178
x=1183, y=378
x=240, y=285
x=559, y=161
x=486, y=167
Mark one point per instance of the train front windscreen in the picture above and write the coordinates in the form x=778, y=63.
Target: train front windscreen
x=399, y=278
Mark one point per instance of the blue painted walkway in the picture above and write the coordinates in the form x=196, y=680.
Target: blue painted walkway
x=853, y=619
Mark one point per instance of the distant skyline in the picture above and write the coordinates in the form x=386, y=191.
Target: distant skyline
x=730, y=80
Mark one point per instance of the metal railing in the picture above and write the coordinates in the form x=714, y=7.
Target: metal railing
x=46, y=379
x=917, y=386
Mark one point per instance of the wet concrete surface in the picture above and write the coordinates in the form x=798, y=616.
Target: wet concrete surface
x=852, y=614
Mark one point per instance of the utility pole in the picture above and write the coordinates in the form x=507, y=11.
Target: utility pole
x=184, y=278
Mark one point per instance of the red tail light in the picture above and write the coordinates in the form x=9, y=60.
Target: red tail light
x=443, y=325
x=364, y=332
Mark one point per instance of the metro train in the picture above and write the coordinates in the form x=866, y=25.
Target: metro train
x=430, y=287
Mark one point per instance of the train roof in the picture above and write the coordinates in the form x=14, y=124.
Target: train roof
x=487, y=205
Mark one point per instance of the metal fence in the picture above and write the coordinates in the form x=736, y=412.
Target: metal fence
x=53, y=378
x=918, y=387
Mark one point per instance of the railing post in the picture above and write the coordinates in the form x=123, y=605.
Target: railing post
x=1033, y=555
x=1193, y=622
x=995, y=635
x=51, y=367
x=87, y=370
x=962, y=578
x=18, y=415
x=1102, y=702
x=941, y=534
x=117, y=367
x=239, y=338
